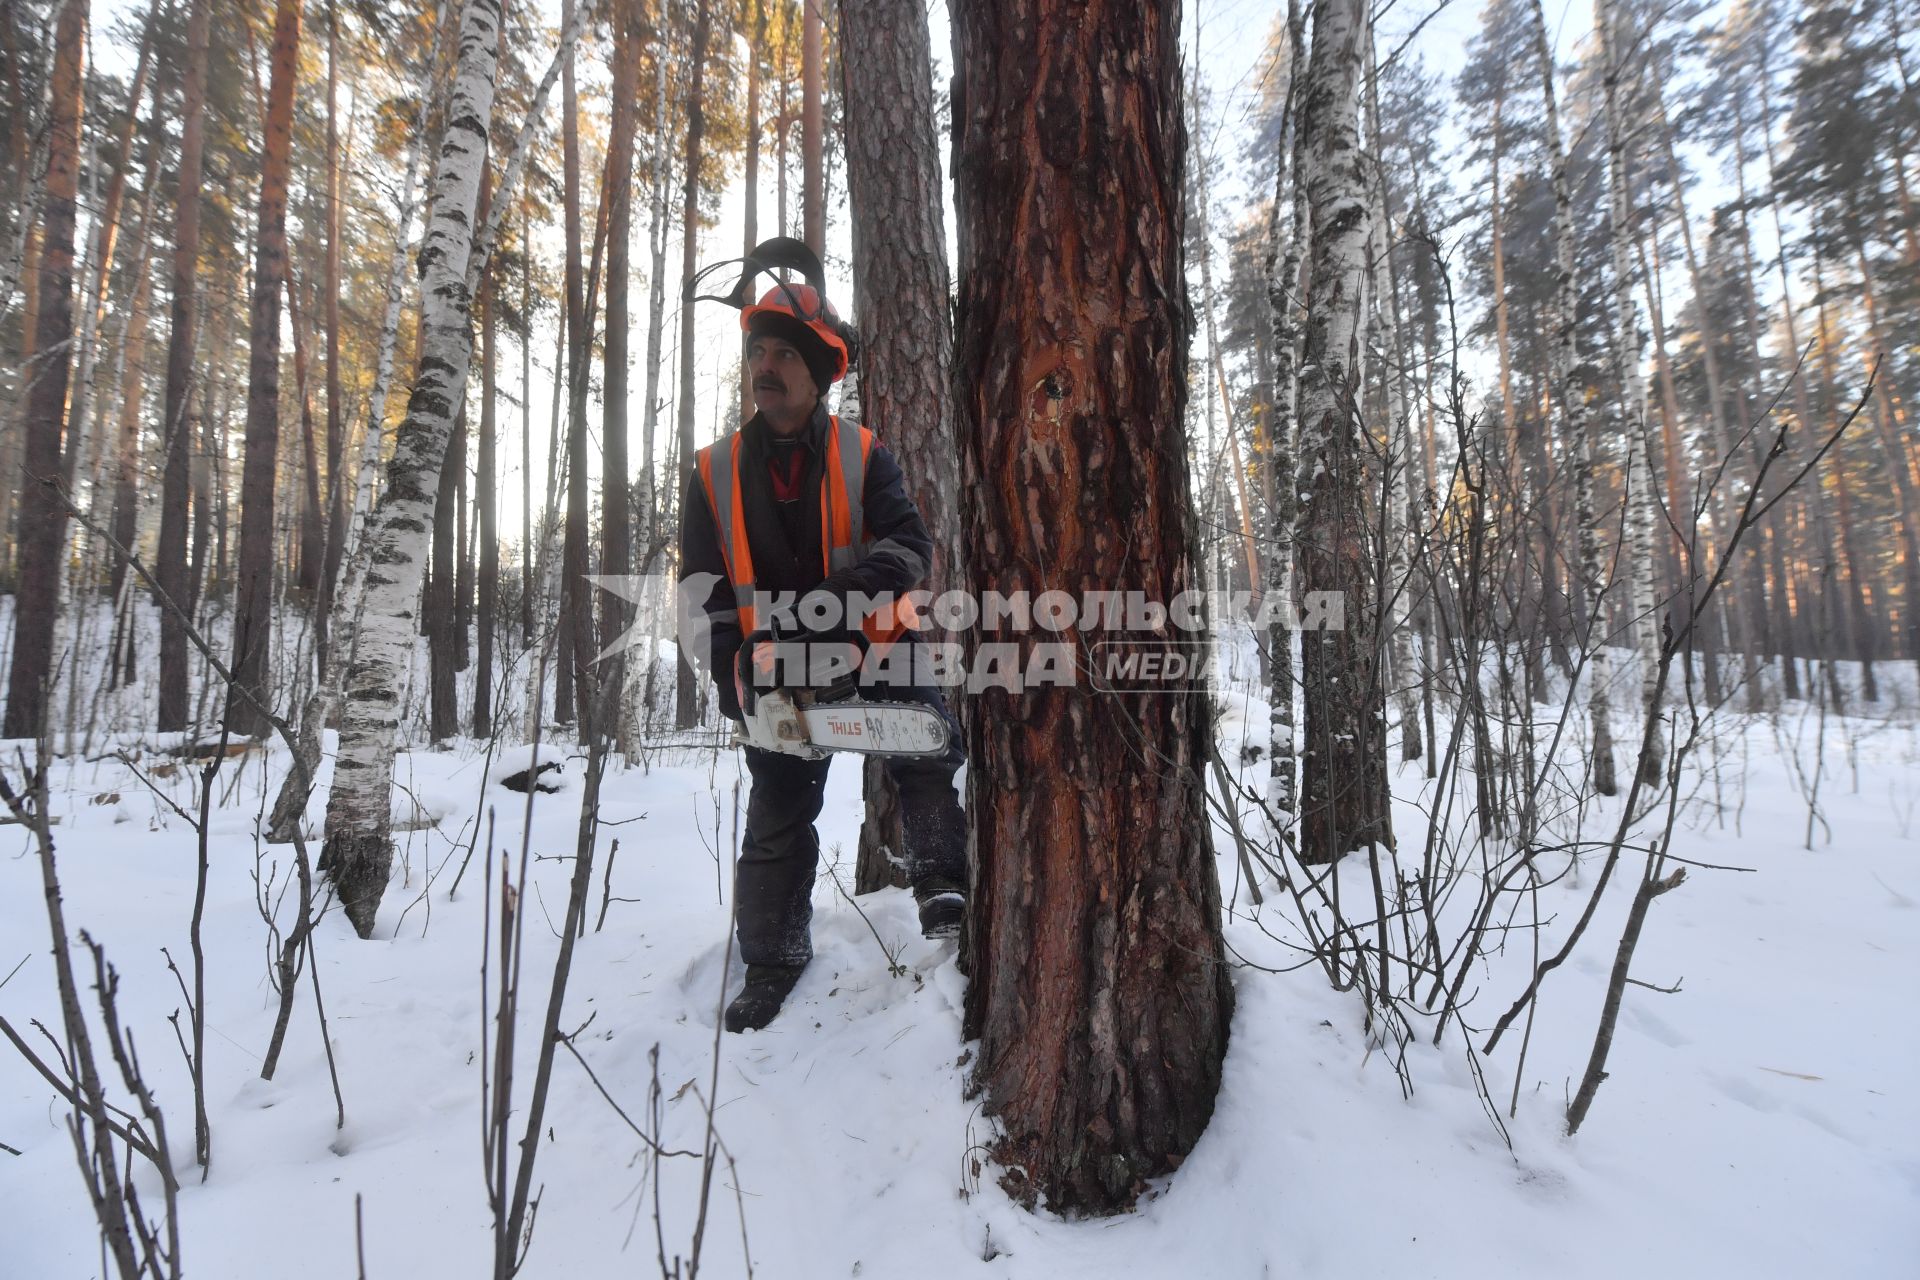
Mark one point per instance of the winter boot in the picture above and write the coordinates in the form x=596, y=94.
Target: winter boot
x=759, y=1001
x=941, y=914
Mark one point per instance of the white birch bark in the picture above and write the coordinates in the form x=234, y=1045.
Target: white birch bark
x=1633, y=383
x=1343, y=788
x=1283, y=313
x=1634, y=392
x=343, y=620
x=1571, y=397
x=359, y=848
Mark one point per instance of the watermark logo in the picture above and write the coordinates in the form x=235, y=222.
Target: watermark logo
x=1112, y=641
x=1133, y=666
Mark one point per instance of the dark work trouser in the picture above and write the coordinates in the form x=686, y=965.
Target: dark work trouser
x=779, y=855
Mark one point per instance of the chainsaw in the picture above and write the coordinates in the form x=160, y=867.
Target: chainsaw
x=810, y=722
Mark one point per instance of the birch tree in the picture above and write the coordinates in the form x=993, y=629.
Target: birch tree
x=1633, y=384
x=359, y=846
x=1344, y=796
x=1285, y=305
x=1572, y=396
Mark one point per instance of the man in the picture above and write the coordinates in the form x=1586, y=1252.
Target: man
x=783, y=485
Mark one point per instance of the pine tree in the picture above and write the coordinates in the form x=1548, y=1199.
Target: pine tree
x=1098, y=992
x=900, y=285
x=43, y=513
x=253, y=608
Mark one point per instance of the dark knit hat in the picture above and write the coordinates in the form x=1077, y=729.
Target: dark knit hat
x=823, y=362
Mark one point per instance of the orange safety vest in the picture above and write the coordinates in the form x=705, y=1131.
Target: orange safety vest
x=842, y=524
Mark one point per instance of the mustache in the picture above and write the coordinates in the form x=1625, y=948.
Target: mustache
x=770, y=382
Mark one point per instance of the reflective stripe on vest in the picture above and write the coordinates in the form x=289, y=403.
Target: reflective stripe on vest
x=842, y=519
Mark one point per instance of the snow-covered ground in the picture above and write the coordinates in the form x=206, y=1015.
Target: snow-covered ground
x=1762, y=1122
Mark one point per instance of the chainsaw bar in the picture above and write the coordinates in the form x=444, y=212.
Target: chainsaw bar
x=810, y=730
x=877, y=728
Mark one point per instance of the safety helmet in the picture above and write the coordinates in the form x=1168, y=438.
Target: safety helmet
x=798, y=314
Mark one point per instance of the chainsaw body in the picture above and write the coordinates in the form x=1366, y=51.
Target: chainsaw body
x=809, y=722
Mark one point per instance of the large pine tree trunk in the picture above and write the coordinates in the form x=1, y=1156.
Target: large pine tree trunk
x=1098, y=990
x=1344, y=796
x=900, y=288
x=43, y=514
x=687, y=699
x=175, y=426
x=253, y=608
x=359, y=845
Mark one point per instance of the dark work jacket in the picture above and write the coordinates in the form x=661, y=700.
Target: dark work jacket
x=786, y=544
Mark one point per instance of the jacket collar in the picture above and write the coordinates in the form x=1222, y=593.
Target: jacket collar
x=813, y=435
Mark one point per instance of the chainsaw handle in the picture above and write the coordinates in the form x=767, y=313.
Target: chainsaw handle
x=746, y=658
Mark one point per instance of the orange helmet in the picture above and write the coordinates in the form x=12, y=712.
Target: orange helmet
x=797, y=313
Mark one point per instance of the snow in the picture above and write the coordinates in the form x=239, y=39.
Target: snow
x=1761, y=1122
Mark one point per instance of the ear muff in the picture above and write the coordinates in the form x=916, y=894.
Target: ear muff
x=850, y=339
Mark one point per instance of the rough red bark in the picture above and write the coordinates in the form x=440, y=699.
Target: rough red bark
x=252, y=616
x=176, y=435
x=1099, y=993
x=43, y=516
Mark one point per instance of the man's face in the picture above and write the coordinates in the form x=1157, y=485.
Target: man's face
x=783, y=389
